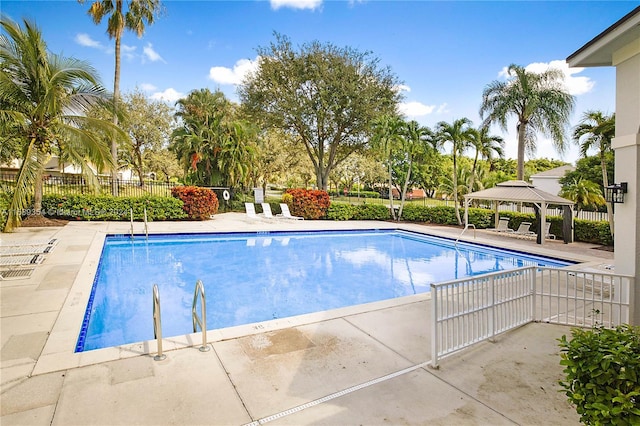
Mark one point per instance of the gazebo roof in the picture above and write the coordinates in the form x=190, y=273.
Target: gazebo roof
x=518, y=191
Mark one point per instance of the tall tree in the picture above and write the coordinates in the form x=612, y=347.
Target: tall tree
x=44, y=99
x=387, y=130
x=325, y=97
x=539, y=102
x=416, y=141
x=459, y=133
x=597, y=130
x=134, y=18
x=486, y=146
x=214, y=145
x=583, y=192
x=148, y=124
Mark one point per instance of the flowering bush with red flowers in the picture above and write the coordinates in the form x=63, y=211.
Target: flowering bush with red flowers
x=310, y=204
x=199, y=203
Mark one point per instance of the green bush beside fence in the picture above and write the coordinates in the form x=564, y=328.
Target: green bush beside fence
x=103, y=207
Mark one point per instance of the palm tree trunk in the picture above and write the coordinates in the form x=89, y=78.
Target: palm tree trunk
x=404, y=189
x=521, y=135
x=393, y=212
x=455, y=188
x=37, y=193
x=116, y=99
x=605, y=183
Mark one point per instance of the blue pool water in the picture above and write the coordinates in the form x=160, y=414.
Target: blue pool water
x=251, y=277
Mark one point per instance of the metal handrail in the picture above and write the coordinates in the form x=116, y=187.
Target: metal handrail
x=146, y=228
x=131, y=228
x=157, y=323
x=202, y=320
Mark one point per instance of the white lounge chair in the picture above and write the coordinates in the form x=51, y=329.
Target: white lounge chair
x=523, y=230
x=250, y=209
x=23, y=260
x=25, y=249
x=286, y=213
x=49, y=242
x=266, y=211
x=503, y=226
x=547, y=228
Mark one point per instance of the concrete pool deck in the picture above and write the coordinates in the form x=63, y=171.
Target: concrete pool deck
x=360, y=365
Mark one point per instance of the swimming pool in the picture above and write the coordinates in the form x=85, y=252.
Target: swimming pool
x=254, y=277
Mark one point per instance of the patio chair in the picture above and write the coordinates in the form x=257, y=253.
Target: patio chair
x=266, y=211
x=25, y=249
x=523, y=230
x=22, y=260
x=286, y=213
x=547, y=228
x=503, y=226
x=250, y=209
x=49, y=242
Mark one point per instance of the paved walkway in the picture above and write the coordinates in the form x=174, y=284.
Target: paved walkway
x=360, y=365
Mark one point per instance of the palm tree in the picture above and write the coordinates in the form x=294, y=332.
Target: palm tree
x=459, y=133
x=139, y=14
x=415, y=142
x=596, y=130
x=538, y=101
x=485, y=146
x=44, y=99
x=386, y=136
x=583, y=192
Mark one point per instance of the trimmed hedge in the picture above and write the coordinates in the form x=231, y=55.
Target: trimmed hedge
x=105, y=207
x=343, y=211
x=308, y=203
x=355, y=194
x=199, y=203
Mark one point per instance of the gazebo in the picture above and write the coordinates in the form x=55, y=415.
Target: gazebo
x=520, y=191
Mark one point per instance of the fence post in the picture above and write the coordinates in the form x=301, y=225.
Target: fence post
x=434, y=326
x=492, y=310
x=533, y=290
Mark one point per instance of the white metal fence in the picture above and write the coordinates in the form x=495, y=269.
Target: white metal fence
x=582, y=214
x=470, y=310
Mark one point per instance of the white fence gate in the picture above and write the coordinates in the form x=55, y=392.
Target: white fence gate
x=470, y=310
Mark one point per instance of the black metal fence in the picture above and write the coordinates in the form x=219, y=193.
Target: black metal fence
x=75, y=184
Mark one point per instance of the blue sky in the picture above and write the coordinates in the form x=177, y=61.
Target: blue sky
x=444, y=52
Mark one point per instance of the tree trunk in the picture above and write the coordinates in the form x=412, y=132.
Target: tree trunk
x=455, y=188
x=521, y=134
x=37, y=193
x=114, y=141
x=393, y=211
x=404, y=190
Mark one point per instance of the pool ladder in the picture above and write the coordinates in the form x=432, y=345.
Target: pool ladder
x=198, y=294
x=146, y=226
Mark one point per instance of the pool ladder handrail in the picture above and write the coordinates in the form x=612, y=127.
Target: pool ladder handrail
x=202, y=319
x=157, y=323
x=146, y=226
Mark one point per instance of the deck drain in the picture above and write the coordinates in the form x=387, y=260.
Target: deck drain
x=15, y=274
x=337, y=394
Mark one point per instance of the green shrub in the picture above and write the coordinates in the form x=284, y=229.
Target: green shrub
x=105, y=207
x=356, y=194
x=340, y=211
x=371, y=212
x=308, y=203
x=602, y=368
x=199, y=203
x=590, y=231
x=5, y=201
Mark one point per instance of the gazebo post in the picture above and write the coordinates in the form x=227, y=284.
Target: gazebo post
x=496, y=216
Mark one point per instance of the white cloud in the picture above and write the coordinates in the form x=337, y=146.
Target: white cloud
x=85, y=40
x=575, y=85
x=415, y=109
x=147, y=87
x=403, y=88
x=296, y=4
x=169, y=95
x=151, y=54
x=235, y=75
x=443, y=109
